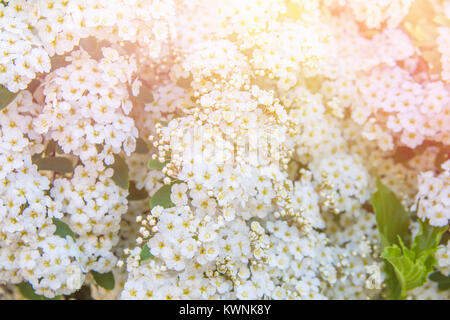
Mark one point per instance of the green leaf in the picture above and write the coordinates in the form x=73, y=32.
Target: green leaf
x=141, y=146
x=162, y=198
x=406, y=267
x=410, y=267
x=428, y=237
x=392, y=219
x=156, y=165
x=136, y=194
x=394, y=287
x=6, y=97
x=145, y=253
x=57, y=164
x=27, y=291
x=62, y=229
x=104, y=280
x=121, y=172
x=411, y=272
x=442, y=280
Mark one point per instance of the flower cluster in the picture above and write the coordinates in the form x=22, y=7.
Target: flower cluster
x=86, y=104
x=22, y=54
x=29, y=249
x=433, y=198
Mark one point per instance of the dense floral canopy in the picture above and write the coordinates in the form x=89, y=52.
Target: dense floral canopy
x=225, y=149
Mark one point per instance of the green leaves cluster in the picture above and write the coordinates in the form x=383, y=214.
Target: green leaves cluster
x=407, y=264
x=412, y=265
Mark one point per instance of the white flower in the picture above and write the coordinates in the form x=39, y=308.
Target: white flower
x=178, y=194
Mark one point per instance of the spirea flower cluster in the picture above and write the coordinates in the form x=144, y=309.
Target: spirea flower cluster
x=238, y=149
